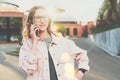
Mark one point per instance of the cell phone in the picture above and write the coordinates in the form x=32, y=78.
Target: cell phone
x=37, y=32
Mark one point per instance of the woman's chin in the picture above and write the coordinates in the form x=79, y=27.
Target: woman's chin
x=43, y=29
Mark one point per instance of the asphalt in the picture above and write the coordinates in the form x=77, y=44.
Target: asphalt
x=103, y=66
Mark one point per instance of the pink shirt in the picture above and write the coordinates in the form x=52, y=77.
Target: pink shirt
x=62, y=51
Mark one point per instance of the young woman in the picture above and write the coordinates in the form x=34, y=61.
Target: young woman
x=46, y=56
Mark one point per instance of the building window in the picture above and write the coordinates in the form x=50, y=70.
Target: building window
x=10, y=29
x=75, y=31
x=68, y=31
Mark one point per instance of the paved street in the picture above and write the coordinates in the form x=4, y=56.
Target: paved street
x=103, y=66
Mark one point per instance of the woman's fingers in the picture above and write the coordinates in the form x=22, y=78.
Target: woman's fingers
x=36, y=29
x=78, y=57
x=79, y=75
x=30, y=71
x=32, y=27
x=33, y=30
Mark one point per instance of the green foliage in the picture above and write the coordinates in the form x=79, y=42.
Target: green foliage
x=103, y=29
x=61, y=28
x=14, y=52
x=108, y=17
x=104, y=8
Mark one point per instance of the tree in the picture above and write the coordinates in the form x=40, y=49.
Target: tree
x=61, y=28
x=108, y=16
x=103, y=9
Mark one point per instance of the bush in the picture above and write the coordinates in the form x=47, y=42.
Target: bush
x=61, y=28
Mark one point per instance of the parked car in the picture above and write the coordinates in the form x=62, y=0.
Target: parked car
x=13, y=38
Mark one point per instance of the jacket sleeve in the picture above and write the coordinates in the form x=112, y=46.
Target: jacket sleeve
x=26, y=60
x=75, y=50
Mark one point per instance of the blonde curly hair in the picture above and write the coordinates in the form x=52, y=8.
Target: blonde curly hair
x=26, y=28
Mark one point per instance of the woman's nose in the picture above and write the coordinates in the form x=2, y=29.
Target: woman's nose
x=42, y=20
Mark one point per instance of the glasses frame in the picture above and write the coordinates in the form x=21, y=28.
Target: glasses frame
x=41, y=18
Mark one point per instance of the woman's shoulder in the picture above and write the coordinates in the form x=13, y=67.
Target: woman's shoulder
x=27, y=41
x=66, y=40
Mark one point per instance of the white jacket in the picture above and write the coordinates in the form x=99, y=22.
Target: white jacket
x=62, y=51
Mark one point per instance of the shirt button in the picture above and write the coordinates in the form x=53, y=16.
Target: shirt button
x=58, y=75
x=57, y=64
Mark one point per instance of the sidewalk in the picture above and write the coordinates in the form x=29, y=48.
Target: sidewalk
x=9, y=69
x=9, y=47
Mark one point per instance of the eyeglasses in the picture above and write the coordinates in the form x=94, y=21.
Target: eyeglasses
x=41, y=18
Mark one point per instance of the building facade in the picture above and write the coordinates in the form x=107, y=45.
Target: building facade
x=11, y=22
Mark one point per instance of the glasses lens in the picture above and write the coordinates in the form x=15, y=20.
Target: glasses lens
x=41, y=18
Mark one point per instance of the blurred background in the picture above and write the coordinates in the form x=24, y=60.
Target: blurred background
x=93, y=25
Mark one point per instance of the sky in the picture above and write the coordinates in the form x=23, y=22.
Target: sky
x=81, y=10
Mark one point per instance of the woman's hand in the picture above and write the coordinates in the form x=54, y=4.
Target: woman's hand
x=33, y=30
x=34, y=37
x=30, y=71
x=79, y=75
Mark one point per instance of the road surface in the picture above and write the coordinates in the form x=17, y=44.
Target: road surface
x=102, y=65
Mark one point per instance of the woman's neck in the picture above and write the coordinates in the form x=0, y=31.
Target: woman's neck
x=44, y=34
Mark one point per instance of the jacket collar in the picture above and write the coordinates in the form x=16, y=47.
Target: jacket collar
x=55, y=39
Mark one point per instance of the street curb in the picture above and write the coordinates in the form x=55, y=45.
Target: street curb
x=3, y=53
x=110, y=53
x=12, y=54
